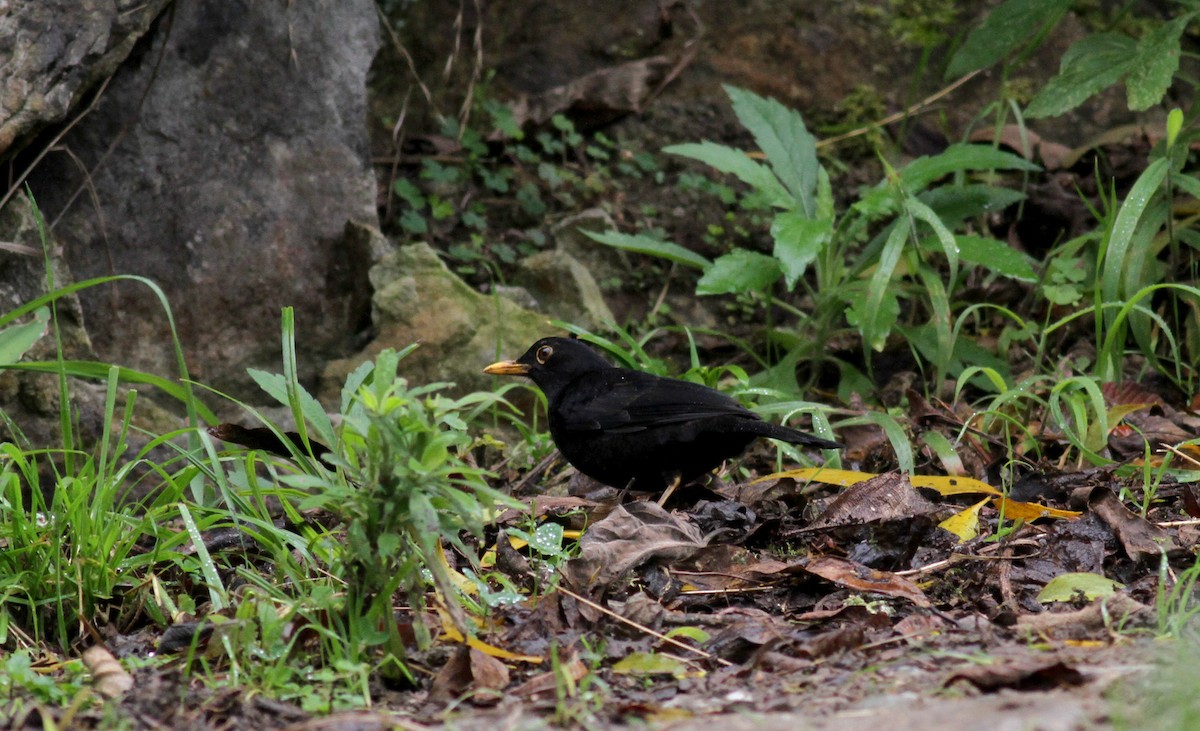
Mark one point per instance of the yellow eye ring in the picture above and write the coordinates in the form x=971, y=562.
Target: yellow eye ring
x=544, y=353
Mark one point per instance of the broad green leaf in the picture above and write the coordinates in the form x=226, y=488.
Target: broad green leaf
x=1064, y=587
x=922, y=212
x=650, y=663
x=997, y=256
x=642, y=244
x=547, y=539
x=353, y=381
x=737, y=163
x=739, y=271
x=1174, y=125
x=956, y=203
x=824, y=195
x=957, y=158
x=1004, y=30
x=1062, y=294
x=876, y=313
x=16, y=340
x=275, y=386
x=1188, y=184
x=798, y=240
x=1092, y=64
x=897, y=437
x=939, y=317
x=692, y=633
x=1155, y=64
x=783, y=138
x=925, y=338
x=1119, y=243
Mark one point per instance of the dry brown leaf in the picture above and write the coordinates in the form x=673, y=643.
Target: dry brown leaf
x=1116, y=610
x=547, y=682
x=631, y=536
x=1141, y=539
x=1023, y=675
x=469, y=670
x=884, y=498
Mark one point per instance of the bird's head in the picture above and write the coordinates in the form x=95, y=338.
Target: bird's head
x=552, y=363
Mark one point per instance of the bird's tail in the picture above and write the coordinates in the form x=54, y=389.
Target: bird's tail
x=792, y=436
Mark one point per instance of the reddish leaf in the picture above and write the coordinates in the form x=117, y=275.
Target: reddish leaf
x=856, y=576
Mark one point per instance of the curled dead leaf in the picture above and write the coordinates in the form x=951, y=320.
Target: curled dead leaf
x=1020, y=676
x=109, y=678
x=861, y=578
x=631, y=535
x=1141, y=539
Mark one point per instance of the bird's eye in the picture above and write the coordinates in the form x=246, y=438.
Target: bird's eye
x=544, y=353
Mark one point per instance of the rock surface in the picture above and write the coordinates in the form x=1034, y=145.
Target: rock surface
x=224, y=163
x=418, y=300
x=55, y=51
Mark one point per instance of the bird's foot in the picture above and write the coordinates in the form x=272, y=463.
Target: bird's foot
x=670, y=489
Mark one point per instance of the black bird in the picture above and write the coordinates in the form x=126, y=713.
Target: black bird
x=625, y=428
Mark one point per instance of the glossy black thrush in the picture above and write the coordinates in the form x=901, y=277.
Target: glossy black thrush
x=628, y=428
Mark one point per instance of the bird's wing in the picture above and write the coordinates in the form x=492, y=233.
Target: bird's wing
x=628, y=401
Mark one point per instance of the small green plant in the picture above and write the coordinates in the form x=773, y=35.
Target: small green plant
x=1138, y=248
x=403, y=486
x=1177, y=604
x=894, y=245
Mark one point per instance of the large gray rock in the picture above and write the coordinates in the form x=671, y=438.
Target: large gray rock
x=54, y=51
x=224, y=162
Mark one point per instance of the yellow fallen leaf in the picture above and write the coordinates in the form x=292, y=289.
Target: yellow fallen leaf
x=965, y=523
x=450, y=632
x=843, y=478
x=1016, y=510
x=945, y=486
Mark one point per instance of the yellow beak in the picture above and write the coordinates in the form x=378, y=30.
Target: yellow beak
x=507, y=368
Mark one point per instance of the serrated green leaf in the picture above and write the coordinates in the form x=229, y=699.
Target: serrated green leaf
x=1092, y=64
x=275, y=386
x=16, y=340
x=783, y=138
x=738, y=164
x=798, y=240
x=642, y=244
x=874, y=319
x=1155, y=64
x=1064, y=587
x=1004, y=30
x=956, y=203
x=958, y=158
x=875, y=313
x=1062, y=294
x=739, y=271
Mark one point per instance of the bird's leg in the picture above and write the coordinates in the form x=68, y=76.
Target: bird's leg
x=625, y=491
x=675, y=479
